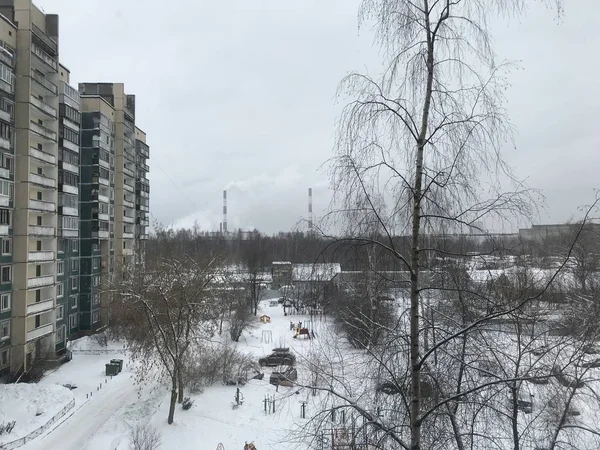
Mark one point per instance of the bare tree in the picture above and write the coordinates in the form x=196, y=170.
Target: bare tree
x=425, y=138
x=161, y=311
x=144, y=437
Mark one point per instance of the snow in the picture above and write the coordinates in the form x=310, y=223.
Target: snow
x=104, y=421
x=315, y=272
x=31, y=406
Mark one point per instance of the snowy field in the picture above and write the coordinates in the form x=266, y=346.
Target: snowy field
x=31, y=406
x=103, y=422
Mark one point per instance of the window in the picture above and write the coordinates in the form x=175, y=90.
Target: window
x=6, y=246
x=5, y=330
x=6, y=131
x=5, y=302
x=60, y=312
x=39, y=196
x=96, y=316
x=6, y=274
x=4, y=357
x=38, y=221
x=60, y=335
x=96, y=280
x=8, y=162
x=6, y=188
x=73, y=301
x=95, y=299
x=6, y=73
x=73, y=321
x=74, y=262
x=38, y=295
x=69, y=135
x=69, y=112
x=68, y=200
x=74, y=283
x=67, y=156
x=60, y=290
x=70, y=223
x=95, y=263
x=8, y=106
x=68, y=178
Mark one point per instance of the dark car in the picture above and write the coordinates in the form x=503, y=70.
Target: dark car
x=284, y=377
x=279, y=357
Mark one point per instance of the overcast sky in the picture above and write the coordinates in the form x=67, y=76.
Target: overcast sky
x=239, y=94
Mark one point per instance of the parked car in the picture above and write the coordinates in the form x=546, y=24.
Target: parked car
x=279, y=357
x=283, y=377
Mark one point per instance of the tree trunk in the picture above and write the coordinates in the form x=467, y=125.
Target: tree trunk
x=180, y=383
x=415, y=363
x=173, y=399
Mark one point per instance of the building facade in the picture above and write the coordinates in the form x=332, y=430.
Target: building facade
x=74, y=193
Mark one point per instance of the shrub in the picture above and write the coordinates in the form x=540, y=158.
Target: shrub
x=144, y=437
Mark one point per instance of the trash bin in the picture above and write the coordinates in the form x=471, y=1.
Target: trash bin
x=119, y=362
x=112, y=369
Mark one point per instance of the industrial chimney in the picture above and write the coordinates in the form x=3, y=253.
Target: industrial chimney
x=224, y=226
x=310, y=211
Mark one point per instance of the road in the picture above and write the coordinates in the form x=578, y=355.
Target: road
x=86, y=421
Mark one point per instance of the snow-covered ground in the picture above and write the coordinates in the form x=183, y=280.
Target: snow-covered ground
x=31, y=406
x=104, y=421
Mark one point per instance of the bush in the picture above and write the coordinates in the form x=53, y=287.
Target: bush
x=218, y=364
x=6, y=428
x=187, y=403
x=144, y=437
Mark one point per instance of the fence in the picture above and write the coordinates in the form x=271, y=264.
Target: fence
x=35, y=433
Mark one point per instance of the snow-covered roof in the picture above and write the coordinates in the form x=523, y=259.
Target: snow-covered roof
x=315, y=272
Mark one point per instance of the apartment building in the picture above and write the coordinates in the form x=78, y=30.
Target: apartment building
x=8, y=44
x=74, y=192
x=97, y=205
x=67, y=313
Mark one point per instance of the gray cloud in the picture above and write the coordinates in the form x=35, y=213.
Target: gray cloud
x=240, y=94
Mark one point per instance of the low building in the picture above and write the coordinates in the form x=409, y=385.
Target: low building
x=281, y=272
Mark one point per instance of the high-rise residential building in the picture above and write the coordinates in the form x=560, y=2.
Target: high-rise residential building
x=97, y=206
x=8, y=44
x=73, y=192
x=68, y=255
x=35, y=193
x=142, y=195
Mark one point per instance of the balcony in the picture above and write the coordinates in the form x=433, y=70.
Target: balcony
x=101, y=234
x=143, y=237
x=4, y=230
x=39, y=307
x=128, y=235
x=104, y=163
x=99, y=143
x=104, y=217
x=42, y=131
x=69, y=233
x=70, y=124
x=40, y=256
x=42, y=205
x=128, y=251
x=5, y=115
x=70, y=167
x=129, y=171
x=42, y=156
x=128, y=186
x=69, y=189
x=69, y=211
x=36, y=282
x=43, y=106
x=37, y=333
x=4, y=173
x=44, y=57
x=128, y=203
x=42, y=180
x=42, y=81
x=48, y=41
x=4, y=143
x=103, y=198
x=70, y=145
x=127, y=219
x=38, y=230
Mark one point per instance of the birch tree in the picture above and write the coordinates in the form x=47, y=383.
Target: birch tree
x=419, y=150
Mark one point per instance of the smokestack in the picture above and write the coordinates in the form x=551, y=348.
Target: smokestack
x=224, y=212
x=310, y=211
